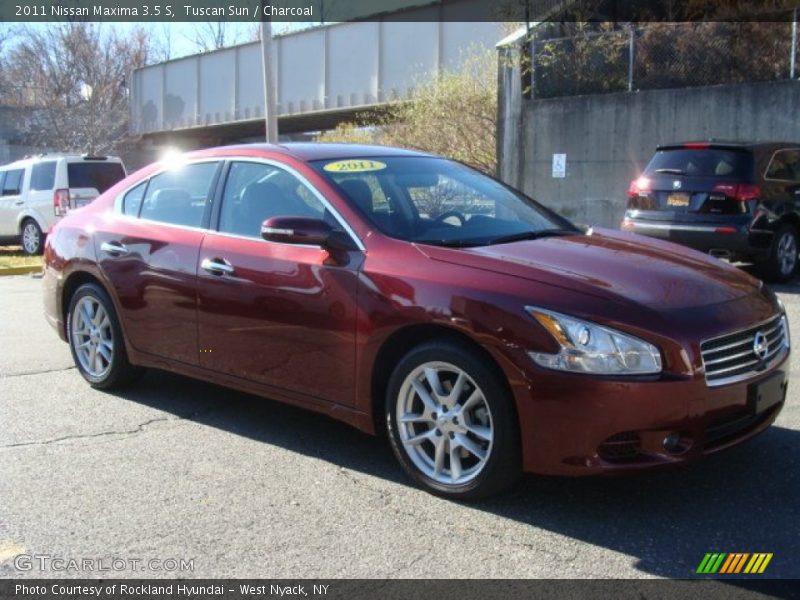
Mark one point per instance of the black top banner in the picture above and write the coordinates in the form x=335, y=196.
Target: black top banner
x=325, y=11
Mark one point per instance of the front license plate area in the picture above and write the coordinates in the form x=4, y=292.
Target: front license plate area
x=678, y=200
x=765, y=394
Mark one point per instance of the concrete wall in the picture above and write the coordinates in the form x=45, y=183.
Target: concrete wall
x=609, y=138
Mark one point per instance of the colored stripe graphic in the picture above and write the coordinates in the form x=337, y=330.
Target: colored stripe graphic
x=732, y=563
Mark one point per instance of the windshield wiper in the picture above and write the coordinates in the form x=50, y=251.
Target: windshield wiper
x=532, y=235
x=671, y=171
x=450, y=243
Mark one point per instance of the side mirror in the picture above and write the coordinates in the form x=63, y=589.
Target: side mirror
x=305, y=231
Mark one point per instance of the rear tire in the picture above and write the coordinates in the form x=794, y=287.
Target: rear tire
x=781, y=265
x=31, y=237
x=95, y=339
x=451, y=422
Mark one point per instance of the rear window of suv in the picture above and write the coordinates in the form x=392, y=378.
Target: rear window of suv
x=98, y=175
x=702, y=162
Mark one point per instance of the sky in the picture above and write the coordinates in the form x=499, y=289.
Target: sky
x=179, y=35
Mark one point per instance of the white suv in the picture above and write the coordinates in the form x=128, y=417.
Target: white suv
x=36, y=192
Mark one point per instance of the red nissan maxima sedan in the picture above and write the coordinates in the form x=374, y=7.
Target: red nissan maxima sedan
x=406, y=293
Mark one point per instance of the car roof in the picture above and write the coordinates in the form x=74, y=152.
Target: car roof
x=29, y=160
x=308, y=151
x=733, y=144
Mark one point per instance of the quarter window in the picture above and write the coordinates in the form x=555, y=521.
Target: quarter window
x=43, y=176
x=179, y=196
x=132, y=201
x=785, y=166
x=255, y=192
x=13, y=182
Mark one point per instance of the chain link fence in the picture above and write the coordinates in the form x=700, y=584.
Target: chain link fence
x=664, y=55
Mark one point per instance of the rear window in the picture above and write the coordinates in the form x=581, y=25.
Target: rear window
x=706, y=162
x=100, y=176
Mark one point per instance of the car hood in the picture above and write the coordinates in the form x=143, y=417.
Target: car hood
x=612, y=265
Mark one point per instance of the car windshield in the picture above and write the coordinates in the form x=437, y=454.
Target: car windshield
x=436, y=201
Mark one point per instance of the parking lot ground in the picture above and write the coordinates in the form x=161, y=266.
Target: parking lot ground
x=246, y=487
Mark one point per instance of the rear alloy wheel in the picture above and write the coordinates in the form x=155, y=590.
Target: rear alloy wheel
x=451, y=423
x=95, y=339
x=782, y=263
x=31, y=237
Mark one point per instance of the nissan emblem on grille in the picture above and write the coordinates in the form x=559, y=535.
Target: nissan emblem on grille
x=760, y=345
x=676, y=185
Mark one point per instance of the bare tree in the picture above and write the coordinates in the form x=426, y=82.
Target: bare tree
x=75, y=77
x=215, y=35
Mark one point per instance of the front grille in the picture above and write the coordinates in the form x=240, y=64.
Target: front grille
x=732, y=357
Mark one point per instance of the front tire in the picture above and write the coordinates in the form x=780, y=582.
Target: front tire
x=31, y=237
x=95, y=339
x=451, y=422
x=781, y=265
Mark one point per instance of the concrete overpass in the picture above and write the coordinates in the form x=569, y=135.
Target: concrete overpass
x=324, y=75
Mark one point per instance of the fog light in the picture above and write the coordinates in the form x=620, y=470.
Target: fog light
x=677, y=442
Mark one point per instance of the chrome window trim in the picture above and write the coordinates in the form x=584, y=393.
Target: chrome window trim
x=259, y=239
x=253, y=159
x=780, y=356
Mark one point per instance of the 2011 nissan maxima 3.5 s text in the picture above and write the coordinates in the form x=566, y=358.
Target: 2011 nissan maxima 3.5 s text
x=410, y=294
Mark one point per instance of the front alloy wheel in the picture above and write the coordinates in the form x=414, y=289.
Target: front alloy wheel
x=451, y=422
x=444, y=422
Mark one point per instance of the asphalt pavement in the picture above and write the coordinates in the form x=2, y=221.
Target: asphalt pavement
x=180, y=478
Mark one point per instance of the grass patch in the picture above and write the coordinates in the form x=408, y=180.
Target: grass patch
x=12, y=257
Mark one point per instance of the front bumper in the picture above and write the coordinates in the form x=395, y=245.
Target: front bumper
x=578, y=425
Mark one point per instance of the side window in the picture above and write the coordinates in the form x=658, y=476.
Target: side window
x=43, y=176
x=179, y=196
x=132, y=201
x=13, y=182
x=255, y=192
x=2, y=182
x=785, y=166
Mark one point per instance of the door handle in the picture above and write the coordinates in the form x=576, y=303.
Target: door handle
x=114, y=248
x=19, y=202
x=217, y=266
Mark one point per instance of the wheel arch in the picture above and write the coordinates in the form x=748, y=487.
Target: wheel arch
x=71, y=284
x=790, y=218
x=33, y=215
x=401, y=342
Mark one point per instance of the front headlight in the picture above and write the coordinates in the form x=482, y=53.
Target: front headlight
x=590, y=348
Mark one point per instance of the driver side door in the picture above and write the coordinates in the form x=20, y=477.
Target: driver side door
x=280, y=315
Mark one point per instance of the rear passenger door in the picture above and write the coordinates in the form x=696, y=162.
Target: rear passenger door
x=149, y=254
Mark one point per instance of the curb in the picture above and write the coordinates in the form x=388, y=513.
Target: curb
x=20, y=270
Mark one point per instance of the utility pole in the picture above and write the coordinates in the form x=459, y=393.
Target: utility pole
x=270, y=104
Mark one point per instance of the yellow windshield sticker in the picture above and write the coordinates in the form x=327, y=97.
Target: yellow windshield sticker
x=354, y=166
